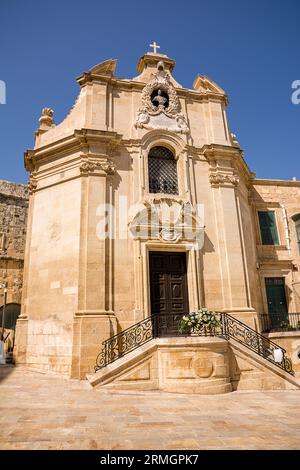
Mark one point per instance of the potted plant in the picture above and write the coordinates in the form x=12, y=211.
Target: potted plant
x=285, y=325
x=200, y=322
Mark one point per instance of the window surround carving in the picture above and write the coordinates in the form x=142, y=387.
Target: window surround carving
x=177, y=146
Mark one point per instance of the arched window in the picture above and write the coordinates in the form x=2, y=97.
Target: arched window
x=296, y=219
x=162, y=171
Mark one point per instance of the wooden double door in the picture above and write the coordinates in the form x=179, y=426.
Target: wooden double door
x=168, y=290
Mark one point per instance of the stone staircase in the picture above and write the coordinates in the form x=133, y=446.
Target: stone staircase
x=230, y=357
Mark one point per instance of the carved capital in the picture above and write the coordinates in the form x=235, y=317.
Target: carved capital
x=32, y=184
x=108, y=167
x=29, y=162
x=89, y=167
x=222, y=179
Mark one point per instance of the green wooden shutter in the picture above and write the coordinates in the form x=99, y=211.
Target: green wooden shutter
x=277, y=304
x=268, y=229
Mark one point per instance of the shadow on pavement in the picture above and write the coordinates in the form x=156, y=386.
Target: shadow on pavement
x=5, y=371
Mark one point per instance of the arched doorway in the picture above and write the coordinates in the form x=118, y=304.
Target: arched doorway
x=12, y=312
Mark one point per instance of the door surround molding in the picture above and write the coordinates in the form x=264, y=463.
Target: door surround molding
x=192, y=263
x=285, y=273
x=172, y=266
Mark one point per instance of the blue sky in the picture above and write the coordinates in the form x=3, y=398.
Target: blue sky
x=250, y=48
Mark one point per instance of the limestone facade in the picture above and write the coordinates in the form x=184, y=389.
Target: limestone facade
x=86, y=273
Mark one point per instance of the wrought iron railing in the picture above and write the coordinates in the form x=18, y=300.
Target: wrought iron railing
x=162, y=325
x=280, y=322
x=261, y=345
x=168, y=326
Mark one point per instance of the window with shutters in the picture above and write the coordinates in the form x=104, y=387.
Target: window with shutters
x=162, y=171
x=268, y=228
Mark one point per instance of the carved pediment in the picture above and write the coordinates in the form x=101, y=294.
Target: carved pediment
x=167, y=220
x=206, y=85
x=107, y=67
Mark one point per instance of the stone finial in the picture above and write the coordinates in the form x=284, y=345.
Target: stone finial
x=234, y=140
x=46, y=120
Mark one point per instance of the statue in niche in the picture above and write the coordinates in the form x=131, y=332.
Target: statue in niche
x=160, y=99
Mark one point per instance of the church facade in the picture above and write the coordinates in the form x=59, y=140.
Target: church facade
x=141, y=203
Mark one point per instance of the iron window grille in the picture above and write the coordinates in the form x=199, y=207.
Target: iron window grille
x=162, y=169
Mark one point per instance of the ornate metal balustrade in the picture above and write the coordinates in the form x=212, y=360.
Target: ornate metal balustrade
x=168, y=326
x=123, y=343
x=264, y=347
x=280, y=322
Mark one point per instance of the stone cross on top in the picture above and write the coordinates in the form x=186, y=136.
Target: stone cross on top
x=155, y=46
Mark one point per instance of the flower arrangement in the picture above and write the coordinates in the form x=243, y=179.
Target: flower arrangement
x=285, y=325
x=200, y=321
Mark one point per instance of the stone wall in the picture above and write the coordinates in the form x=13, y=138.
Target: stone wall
x=202, y=365
x=13, y=218
x=290, y=341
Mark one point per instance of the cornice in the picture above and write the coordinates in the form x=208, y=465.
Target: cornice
x=80, y=165
x=269, y=182
x=89, y=78
x=79, y=140
x=154, y=58
x=265, y=204
x=275, y=264
x=217, y=152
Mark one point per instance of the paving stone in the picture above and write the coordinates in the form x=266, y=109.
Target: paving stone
x=40, y=411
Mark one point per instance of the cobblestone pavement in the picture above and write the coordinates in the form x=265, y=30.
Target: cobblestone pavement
x=39, y=411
